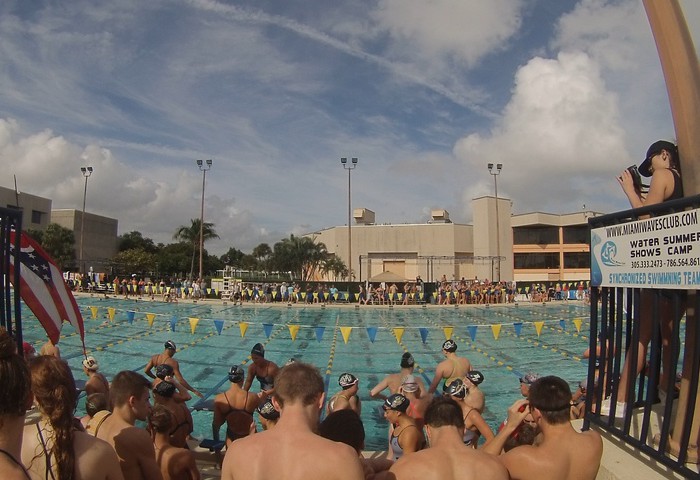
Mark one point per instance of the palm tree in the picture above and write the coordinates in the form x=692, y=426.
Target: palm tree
x=190, y=234
x=300, y=255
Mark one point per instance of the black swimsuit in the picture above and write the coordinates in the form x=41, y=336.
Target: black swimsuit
x=16, y=462
x=229, y=433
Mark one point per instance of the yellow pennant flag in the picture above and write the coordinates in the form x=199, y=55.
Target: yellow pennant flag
x=357, y=297
x=577, y=324
x=93, y=310
x=400, y=296
x=293, y=330
x=496, y=330
x=193, y=324
x=399, y=334
x=243, y=326
x=345, y=331
x=150, y=317
x=538, y=327
x=335, y=297
x=448, y=332
x=110, y=313
x=315, y=295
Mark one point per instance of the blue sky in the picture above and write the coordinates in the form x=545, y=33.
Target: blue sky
x=564, y=93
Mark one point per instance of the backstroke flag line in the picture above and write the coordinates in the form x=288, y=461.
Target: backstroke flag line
x=44, y=290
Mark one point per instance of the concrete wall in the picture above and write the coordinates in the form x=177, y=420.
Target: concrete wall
x=32, y=206
x=99, y=235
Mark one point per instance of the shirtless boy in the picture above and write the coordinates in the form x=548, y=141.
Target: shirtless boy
x=292, y=450
x=130, y=399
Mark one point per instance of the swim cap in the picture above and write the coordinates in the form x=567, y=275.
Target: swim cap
x=457, y=389
x=91, y=364
x=409, y=384
x=347, y=380
x=407, y=360
x=258, y=349
x=529, y=379
x=290, y=361
x=165, y=389
x=170, y=345
x=28, y=349
x=236, y=374
x=164, y=370
x=475, y=377
x=449, y=346
x=267, y=410
x=396, y=402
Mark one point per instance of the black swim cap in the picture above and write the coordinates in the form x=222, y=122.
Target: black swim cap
x=267, y=410
x=457, y=389
x=258, y=349
x=396, y=402
x=170, y=345
x=475, y=377
x=347, y=380
x=407, y=360
x=236, y=374
x=449, y=346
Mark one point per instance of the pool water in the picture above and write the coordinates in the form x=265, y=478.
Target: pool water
x=211, y=337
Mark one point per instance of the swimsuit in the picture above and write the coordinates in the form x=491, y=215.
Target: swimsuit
x=100, y=417
x=266, y=382
x=396, y=449
x=14, y=460
x=229, y=433
x=450, y=379
x=331, y=403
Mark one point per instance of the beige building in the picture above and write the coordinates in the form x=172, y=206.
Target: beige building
x=99, y=236
x=524, y=248
x=36, y=211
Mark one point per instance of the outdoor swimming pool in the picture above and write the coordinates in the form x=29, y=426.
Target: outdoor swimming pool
x=211, y=337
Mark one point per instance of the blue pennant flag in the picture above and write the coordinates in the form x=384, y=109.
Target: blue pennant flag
x=562, y=324
x=219, y=324
x=319, y=333
x=130, y=317
x=518, y=327
x=372, y=333
x=423, y=334
x=472, y=331
x=267, y=328
x=173, y=322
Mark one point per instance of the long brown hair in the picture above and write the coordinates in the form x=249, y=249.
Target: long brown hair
x=54, y=390
x=14, y=378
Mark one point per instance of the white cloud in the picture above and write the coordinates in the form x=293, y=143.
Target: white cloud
x=560, y=126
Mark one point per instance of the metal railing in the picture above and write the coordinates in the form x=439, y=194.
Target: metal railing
x=623, y=320
x=10, y=312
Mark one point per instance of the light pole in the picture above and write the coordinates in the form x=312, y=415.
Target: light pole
x=203, y=165
x=495, y=172
x=349, y=167
x=86, y=171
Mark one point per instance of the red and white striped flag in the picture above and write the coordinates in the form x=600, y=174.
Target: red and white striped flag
x=44, y=290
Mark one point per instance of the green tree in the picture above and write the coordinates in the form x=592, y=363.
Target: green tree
x=174, y=259
x=59, y=243
x=135, y=240
x=262, y=253
x=233, y=257
x=37, y=235
x=333, y=265
x=134, y=260
x=300, y=255
x=190, y=234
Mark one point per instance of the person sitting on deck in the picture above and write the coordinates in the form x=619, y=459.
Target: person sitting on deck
x=563, y=452
x=235, y=407
x=447, y=458
x=167, y=358
x=175, y=463
x=130, y=401
x=292, y=449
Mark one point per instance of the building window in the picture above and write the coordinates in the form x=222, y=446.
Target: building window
x=540, y=261
x=36, y=217
x=577, y=260
x=577, y=234
x=536, y=235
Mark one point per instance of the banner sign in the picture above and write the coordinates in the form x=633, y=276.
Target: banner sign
x=658, y=252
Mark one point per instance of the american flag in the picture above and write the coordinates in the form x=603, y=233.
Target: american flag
x=44, y=290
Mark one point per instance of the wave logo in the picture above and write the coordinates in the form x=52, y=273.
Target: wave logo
x=608, y=252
